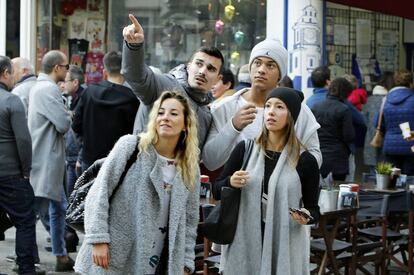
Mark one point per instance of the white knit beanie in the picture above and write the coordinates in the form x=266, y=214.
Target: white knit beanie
x=273, y=49
x=244, y=75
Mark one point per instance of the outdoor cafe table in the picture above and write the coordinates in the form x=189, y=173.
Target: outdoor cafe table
x=328, y=228
x=398, y=202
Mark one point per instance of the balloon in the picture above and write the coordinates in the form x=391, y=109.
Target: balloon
x=229, y=11
x=235, y=56
x=219, y=26
x=239, y=37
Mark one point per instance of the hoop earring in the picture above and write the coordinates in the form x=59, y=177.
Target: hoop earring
x=184, y=137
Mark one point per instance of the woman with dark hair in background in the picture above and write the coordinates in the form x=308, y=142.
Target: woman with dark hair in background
x=337, y=133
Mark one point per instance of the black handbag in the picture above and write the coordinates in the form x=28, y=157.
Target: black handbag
x=220, y=225
x=75, y=212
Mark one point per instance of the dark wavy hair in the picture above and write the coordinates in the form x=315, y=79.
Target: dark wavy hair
x=212, y=51
x=340, y=88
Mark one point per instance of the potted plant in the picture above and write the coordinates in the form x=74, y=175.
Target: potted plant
x=383, y=172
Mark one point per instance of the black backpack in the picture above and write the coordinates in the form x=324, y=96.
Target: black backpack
x=75, y=213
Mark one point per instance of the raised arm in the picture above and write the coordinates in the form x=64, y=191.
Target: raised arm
x=146, y=85
x=224, y=131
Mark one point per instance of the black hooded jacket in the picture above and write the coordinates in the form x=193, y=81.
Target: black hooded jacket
x=105, y=112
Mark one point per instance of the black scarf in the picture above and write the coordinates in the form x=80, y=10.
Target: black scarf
x=198, y=96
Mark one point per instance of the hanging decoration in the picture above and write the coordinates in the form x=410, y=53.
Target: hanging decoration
x=235, y=56
x=239, y=38
x=229, y=11
x=219, y=27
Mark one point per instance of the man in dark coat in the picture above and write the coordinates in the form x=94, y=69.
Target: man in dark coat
x=106, y=112
x=16, y=193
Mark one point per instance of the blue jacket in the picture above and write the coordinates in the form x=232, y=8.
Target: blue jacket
x=319, y=94
x=398, y=108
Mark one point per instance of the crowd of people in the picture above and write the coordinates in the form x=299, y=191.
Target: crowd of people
x=53, y=127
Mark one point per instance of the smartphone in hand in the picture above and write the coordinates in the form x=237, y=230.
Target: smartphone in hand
x=300, y=212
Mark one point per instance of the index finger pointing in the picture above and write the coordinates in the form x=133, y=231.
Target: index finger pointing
x=137, y=25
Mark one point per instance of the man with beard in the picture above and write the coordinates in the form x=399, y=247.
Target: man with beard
x=48, y=121
x=193, y=80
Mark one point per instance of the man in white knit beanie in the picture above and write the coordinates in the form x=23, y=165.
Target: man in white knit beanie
x=240, y=116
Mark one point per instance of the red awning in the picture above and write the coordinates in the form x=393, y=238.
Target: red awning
x=402, y=8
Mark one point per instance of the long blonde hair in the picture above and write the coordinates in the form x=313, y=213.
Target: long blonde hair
x=290, y=139
x=187, y=151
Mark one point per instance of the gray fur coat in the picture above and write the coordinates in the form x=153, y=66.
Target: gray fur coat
x=128, y=224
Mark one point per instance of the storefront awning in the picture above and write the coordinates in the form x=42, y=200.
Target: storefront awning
x=402, y=8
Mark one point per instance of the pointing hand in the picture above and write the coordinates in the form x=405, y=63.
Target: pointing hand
x=133, y=33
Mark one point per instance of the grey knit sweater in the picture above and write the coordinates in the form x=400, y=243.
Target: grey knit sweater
x=129, y=223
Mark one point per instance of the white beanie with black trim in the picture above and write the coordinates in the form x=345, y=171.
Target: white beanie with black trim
x=271, y=48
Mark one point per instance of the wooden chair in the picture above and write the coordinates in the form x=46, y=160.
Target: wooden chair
x=402, y=215
x=327, y=245
x=371, y=241
x=210, y=258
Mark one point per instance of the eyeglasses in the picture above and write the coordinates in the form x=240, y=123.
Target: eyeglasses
x=66, y=66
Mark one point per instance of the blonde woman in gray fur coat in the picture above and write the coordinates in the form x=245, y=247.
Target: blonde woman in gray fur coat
x=150, y=225
x=272, y=238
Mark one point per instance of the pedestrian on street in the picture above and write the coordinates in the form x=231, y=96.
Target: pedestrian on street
x=25, y=79
x=16, y=193
x=280, y=174
x=105, y=112
x=48, y=121
x=150, y=225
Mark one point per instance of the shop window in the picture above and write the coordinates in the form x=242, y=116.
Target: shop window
x=77, y=28
x=174, y=30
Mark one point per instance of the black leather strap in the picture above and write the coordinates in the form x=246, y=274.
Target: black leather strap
x=131, y=160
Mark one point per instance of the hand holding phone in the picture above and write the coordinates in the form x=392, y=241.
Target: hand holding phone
x=302, y=216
